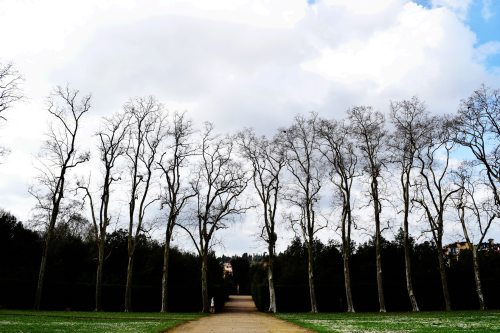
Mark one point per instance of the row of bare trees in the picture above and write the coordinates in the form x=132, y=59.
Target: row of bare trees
x=368, y=164
x=146, y=158
x=315, y=175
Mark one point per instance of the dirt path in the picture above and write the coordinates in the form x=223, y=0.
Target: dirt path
x=239, y=315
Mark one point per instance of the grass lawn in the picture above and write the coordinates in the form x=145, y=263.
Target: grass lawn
x=57, y=321
x=471, y=321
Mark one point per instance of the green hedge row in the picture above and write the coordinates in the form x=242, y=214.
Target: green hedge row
x=332, y=298
x=81, y=297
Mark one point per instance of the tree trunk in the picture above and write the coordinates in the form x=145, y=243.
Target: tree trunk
x=272, y=294
x=100, y=265
x=166, y=255
x=346, y=244
x=204, y=286
x=409, y=285
x=380, y=285
x=314, y=306
x=41, y=275
x=128, y=287
x=347, y=278
x=444, y=282
x=405, y=182
x=479, y=289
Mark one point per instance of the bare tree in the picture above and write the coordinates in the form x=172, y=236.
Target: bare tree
x=11, y=91
x=112, y=136
x=4, y=151
x=268, y=160
x=177, y=193
x=478, y=128
x=146, y=132
x=58, y=155
x=218, y=182
x=70, y=221
x=303, y=191
x=474, y=215
x=435, y=188
x=368, y=129
x=338, y=149
x=411, y=121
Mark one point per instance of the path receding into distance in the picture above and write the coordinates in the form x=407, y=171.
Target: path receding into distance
x=239, y=315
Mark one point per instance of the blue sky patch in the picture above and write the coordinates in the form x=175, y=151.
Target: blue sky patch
x=487, y=30
x=483, y=18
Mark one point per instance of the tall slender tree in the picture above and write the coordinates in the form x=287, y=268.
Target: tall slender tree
x=306, y=181
x=435, y=188
x=218, y=182
x=146, y=132
x=268, y=160
x=340, y=153
x=173, y=163
x=368, y=129
x=412, y=123
x=59, y=154
x=477, y=127
x=112, y=146
x=475, y=215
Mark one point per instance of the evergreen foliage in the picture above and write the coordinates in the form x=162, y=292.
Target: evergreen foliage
x=293, y=294
x=71, y=271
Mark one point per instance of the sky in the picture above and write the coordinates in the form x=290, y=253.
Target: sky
x=239, y=63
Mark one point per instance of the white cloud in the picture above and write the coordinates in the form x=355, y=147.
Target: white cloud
x=44, y=24
x=460, y=7
x=485, y=50
x=261, y=13
x=422, y=48
x=486, y=11
x=364, y=7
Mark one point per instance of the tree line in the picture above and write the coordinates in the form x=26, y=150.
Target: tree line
x=315, y=175
x=368, y=164
x=71, y=269
x=291, y=266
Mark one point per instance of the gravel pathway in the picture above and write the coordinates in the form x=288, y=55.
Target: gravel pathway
x=239, y=315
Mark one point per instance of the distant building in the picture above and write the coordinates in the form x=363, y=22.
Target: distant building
x=227, y=269
x=453, y=250
x=489, y=246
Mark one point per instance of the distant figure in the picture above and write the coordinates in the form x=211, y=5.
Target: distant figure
x=212, y=306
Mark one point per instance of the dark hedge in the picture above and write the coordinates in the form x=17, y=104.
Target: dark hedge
x=292, y=290
x=71, y=272
x=81, y=297
x=365, y=297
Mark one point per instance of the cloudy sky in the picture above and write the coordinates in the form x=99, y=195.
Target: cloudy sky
x=239, y=63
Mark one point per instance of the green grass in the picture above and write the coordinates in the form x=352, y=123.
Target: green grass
x=455, y=321
x=57, y=321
